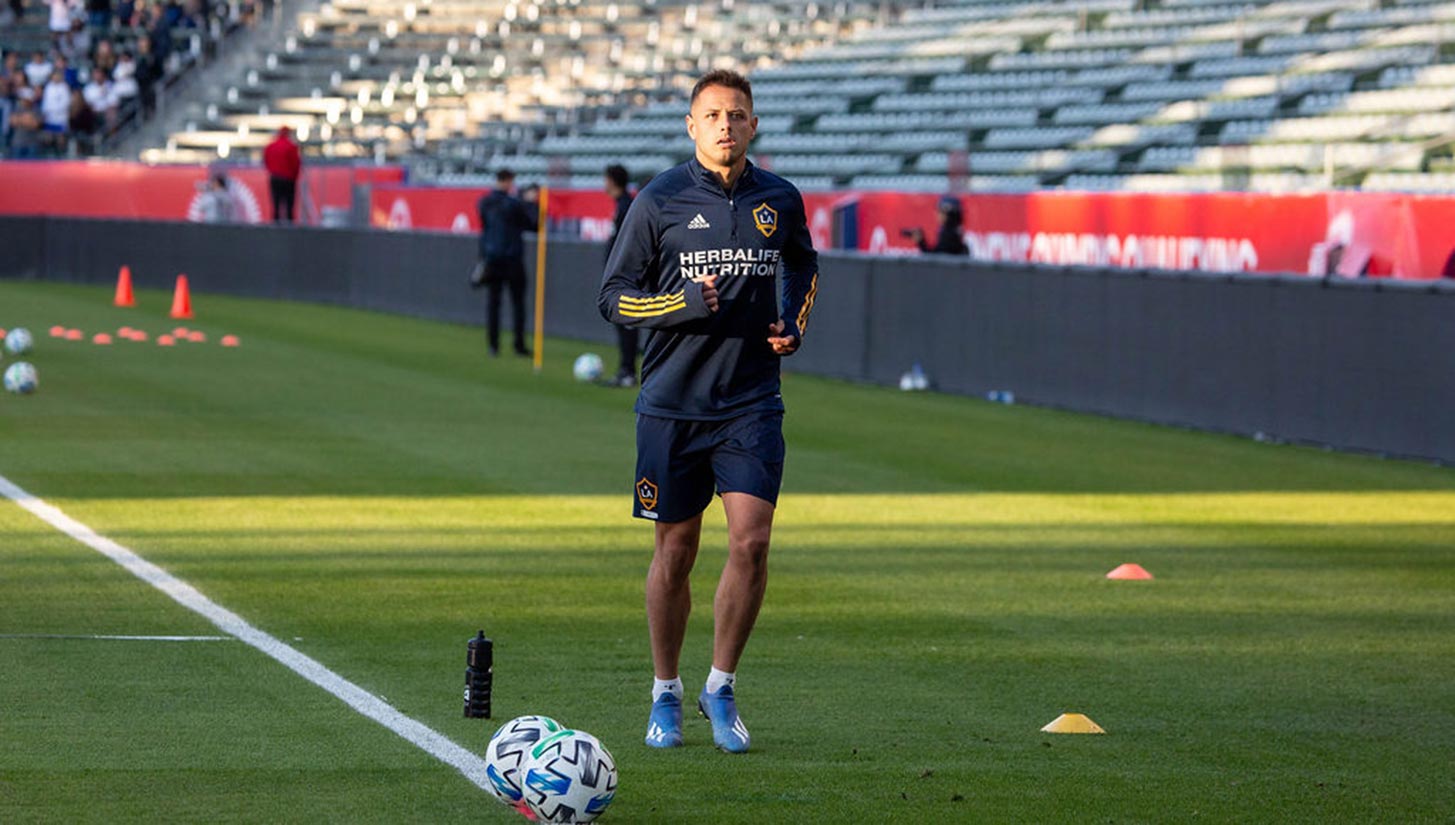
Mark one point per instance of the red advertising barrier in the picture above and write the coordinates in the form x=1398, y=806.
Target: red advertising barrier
x=1343, y=233
x=139, y=192
x=580, y=212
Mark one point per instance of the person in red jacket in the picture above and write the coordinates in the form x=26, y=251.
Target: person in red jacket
x=283, y=162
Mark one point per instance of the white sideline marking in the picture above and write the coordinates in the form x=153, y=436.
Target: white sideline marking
x=422, y=736
x=108, y=638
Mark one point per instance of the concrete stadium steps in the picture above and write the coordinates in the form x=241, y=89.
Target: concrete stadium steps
x=849, y=93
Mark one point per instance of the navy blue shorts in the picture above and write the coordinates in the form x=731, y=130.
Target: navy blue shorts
x=680, y=463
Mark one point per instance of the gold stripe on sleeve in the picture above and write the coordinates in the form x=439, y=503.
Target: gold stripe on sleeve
x=807, y=304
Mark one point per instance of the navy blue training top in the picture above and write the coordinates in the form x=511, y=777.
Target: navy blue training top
x=684, y=226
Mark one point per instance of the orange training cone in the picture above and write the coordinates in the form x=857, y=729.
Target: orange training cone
x=182, y=299
x=124, y=298
x=1135, y=572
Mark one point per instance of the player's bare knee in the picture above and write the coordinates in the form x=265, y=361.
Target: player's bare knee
x=750, y=547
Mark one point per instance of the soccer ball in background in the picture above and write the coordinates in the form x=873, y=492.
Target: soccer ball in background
x=19, y=341
x=588, y=367
x=508, y=751
x=569, y=777
x=21, y=377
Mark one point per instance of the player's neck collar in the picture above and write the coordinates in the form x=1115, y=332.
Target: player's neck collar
x=702, y=173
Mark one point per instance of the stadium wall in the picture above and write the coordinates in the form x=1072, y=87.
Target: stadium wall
x=1366, y=365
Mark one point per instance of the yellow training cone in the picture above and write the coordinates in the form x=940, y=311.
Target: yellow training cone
x=1072, y=723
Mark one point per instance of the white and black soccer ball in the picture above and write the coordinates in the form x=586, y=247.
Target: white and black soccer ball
x=569, y=777
x=588, y=367
x=21, y=378
x=508, y=751
x=19, y=341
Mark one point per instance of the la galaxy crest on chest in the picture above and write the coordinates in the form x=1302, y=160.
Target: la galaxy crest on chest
x=765, y=218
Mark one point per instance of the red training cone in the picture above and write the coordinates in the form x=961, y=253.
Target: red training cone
x=229, y=341
x=101, y=338
x=182, y=299
x=165, y=341
x=124, y=298
x=1129, y=572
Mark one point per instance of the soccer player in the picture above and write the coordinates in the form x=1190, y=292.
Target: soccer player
x=696, y=263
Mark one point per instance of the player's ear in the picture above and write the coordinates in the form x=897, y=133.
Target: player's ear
x=691, y=127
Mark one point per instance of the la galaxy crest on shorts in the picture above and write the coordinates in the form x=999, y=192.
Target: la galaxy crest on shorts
x=647, y=496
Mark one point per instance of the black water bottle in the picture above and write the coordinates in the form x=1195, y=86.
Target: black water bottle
x=479, y=672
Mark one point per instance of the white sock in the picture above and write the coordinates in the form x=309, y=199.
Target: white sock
x=661, y=686
x=717, y=678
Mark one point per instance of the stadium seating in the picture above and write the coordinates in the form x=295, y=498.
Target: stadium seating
x=193, y=41
x=992, y=95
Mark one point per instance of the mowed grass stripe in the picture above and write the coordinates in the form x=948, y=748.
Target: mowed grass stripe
x=936, y=593
x=130, y=731
x=180, y=591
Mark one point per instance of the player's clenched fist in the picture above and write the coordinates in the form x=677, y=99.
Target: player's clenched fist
x=709, y=292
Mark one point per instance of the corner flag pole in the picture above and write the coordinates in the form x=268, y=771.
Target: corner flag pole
x=538, y=355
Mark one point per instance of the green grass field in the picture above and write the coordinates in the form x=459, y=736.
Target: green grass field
x=373, y=490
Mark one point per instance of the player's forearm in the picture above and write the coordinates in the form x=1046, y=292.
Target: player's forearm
x=661, y=310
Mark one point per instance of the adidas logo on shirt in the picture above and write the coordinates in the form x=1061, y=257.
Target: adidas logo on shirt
x=699, y=222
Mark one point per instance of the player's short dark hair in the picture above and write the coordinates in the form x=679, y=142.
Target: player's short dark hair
x=617, y=174
x=723, y=77
x=504, y=176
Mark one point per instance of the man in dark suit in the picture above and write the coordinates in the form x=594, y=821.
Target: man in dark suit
x=504, y=219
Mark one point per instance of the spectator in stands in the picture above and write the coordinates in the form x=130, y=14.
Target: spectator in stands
x=25, y=130
x=83, y=123
x=148, y=72
x=626, y=337
x=17, y=12
x=55, y=112
x=159, y=30
x=124, y=76
x=98, y=12
x=504, y=220
x=7, y=101
x=104, y=58
x=11, y=72
x=68, y=72
x=11, y=78
x=126, y=14
x=284, y=164
x=950, y=239
x=194, y=15
x=100, y=95
x=77, y=44
x=60, y=20
x=38, y=70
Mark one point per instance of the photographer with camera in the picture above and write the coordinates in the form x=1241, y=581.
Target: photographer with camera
x=950, y=240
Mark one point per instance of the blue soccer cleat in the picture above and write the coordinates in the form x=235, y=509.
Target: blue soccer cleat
x=664, y=726
x=721, y=709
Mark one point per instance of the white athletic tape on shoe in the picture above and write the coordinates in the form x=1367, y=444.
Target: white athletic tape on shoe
x=417, y=733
